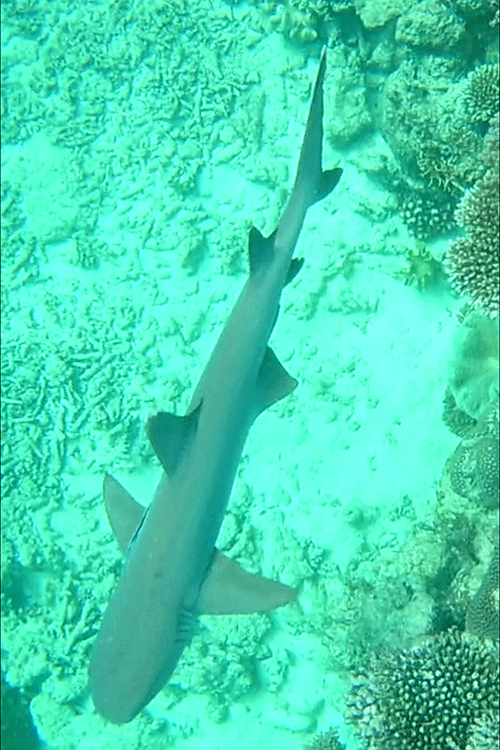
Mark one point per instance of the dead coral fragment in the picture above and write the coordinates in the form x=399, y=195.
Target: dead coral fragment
x=300, y=21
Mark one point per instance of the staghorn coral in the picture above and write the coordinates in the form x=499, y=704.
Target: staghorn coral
x=482, y=615
x=481, y=95
x=473, y=468
x=326, y=741
x=426, y=697
x=473, y=261
x=485, y=733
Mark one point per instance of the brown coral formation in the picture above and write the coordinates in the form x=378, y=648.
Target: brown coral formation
x=483, y=614
x=474, y=376
x=473, y=468
x=458, y=421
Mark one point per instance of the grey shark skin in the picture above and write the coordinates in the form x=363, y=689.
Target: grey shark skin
x=173, y=571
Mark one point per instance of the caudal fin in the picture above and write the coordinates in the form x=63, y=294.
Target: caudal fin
x=311, y=180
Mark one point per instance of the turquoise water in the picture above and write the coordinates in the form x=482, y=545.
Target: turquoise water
x=140, y=143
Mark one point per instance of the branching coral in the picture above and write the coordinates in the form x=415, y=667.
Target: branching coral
x=485, y=733
x=427, y=697
x=473, y=261
x=326, y=741
x=481, y=95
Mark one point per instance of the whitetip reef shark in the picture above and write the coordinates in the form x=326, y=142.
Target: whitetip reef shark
x=173, y=571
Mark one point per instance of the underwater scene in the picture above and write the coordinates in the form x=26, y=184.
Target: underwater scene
x=250, y=375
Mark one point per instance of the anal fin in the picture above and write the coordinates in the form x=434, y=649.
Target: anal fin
x=273, y=382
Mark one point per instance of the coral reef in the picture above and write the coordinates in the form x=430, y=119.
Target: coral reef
x=221, y=661
x=435, y=149
x=474, y=367
x=474, y=466
x=482, y=614
x=427, y=697
x=430, y=24
x=326, y=741
x=481, y=95
x=376, y=13
x=473, y=261
x=345, y=97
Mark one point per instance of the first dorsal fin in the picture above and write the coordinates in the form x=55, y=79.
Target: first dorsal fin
x=169, y=435
x=260, y=249
x=125, y=514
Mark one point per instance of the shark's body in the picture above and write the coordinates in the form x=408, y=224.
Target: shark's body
x=173, y=571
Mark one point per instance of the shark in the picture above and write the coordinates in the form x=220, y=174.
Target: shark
x=173, y=571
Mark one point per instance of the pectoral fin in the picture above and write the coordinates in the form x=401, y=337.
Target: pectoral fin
x=125, y=514
x=229, y=589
